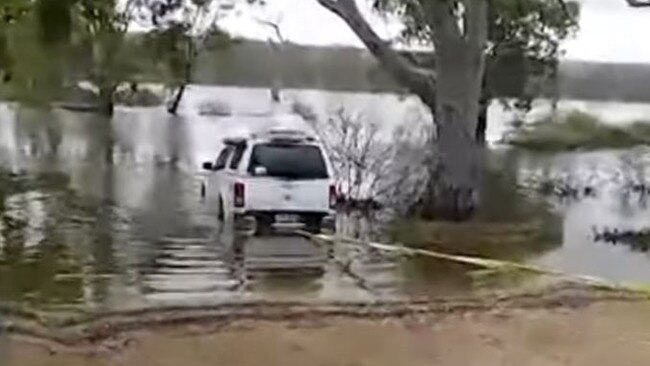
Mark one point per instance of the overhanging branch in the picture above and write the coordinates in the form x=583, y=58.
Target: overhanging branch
x=419, y=80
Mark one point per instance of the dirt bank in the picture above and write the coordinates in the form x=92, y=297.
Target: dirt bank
x=579, y=333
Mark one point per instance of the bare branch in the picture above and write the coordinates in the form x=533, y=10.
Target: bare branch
x=275, y=27
x=419, y=80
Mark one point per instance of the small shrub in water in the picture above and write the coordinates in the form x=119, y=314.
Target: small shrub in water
x=578, y=130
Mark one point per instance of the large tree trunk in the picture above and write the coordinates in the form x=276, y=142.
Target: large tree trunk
x=453, y=192
x=452, y=92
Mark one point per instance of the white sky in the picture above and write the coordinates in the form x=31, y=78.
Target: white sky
x=610, y=30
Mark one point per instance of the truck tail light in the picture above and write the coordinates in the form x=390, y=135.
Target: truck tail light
x=333, y=197
x=240, y=195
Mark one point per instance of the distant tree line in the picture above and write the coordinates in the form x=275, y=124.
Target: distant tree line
x=245, y=63
x=351, y=69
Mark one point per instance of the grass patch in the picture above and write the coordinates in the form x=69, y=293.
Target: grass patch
x=515, y=240
x=578, y=130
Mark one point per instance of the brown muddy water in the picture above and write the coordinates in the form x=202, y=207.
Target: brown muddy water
x=105, y=215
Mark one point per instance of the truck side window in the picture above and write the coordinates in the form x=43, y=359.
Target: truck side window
x=222, y=159
x=237, y=156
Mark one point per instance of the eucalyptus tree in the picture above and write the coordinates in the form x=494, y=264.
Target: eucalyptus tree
x=464, y=36
x=96, y=28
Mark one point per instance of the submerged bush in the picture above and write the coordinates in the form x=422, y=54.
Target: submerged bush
x=578, y=130
x=138, y=97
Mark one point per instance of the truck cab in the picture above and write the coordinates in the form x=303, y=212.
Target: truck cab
x=276, y=181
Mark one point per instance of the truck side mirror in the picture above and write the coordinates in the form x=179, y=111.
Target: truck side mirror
x=208, y=166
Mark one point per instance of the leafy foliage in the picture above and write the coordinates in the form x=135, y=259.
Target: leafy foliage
x=54, y=20
x=182, y=30
x=6, y=61
x=31, y=71
x=11, y=11
x=55, y=39
x=530, y=31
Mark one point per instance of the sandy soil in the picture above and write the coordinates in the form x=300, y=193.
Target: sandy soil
x=605, y=333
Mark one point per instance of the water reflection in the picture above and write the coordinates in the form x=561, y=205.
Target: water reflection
x=107, y=214
x=614, y=205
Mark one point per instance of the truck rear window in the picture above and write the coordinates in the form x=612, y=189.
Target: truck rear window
x=289, y=161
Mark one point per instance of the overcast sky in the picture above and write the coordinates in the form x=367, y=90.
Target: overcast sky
x=610, y=30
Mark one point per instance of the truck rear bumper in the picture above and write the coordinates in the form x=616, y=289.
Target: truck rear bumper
x=265, y=222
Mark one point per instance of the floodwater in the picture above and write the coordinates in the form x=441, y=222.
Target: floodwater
x=106, y=214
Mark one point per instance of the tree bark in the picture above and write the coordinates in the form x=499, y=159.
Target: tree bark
x=455, y=176
x=484, y=105
x=453, y=192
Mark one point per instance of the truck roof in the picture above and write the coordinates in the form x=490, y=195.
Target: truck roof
x=275, y=134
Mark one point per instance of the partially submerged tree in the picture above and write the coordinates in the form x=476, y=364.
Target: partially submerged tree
x=103, y=26
x=451, y=90
x=277, y=47
x=92, y=30
x=183, y=30
x=459, y=32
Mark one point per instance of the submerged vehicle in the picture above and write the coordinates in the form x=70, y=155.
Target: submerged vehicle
x=279, y=180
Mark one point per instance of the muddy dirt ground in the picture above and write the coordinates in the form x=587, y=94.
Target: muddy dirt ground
x=526, y=331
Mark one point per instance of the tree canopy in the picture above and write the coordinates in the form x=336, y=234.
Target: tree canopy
x=181, y=31
x=524, y=32
x=96, y=34
x=53, y=39
x=466, y=37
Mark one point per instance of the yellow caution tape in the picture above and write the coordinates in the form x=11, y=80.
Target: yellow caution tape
x=491, y=264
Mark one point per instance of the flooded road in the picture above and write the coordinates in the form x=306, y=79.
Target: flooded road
x=106, y=214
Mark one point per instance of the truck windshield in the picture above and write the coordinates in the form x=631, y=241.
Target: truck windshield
x=289, y=161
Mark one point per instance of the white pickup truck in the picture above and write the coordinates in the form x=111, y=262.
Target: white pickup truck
x=276, y=181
